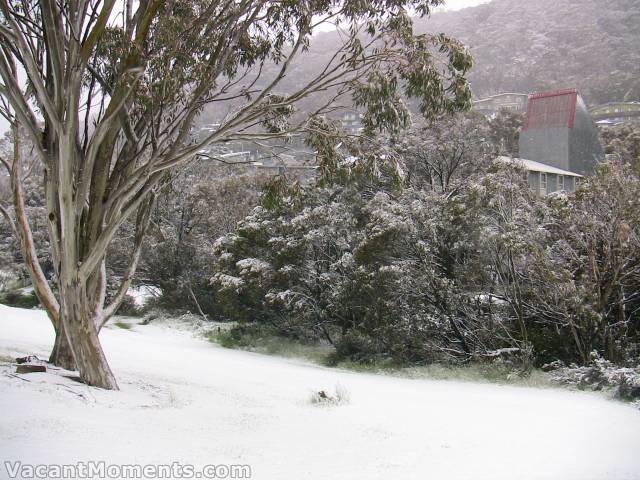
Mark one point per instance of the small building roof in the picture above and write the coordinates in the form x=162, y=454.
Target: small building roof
x=551, y=109
x=534, y=166
x=608, y=121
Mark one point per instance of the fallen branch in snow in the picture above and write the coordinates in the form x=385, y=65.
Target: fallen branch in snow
x=13, y=375
x=28, y=359
x=501, y=351
x=70, y=390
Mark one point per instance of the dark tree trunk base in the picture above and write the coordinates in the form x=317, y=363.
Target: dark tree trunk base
x=61, y=355
x=78, y=321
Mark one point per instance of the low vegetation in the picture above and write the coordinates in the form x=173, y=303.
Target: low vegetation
x=19, y=298
x=265, y=339
x=123, y=325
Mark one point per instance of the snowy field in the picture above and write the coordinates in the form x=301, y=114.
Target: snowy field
x=186, y=400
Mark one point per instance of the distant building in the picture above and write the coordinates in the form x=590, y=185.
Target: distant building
x=303, y=173
x=513, y=102
x=545, y=179
x=352, y=122
x=559, y=132
x=615, y=112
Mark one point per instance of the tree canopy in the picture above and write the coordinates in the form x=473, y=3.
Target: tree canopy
x=107, y=92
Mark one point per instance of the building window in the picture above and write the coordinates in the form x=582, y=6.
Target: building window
x=560, y=182
x=543, y=184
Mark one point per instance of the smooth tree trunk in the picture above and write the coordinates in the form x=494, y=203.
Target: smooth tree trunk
x=81, y=325
x=62, y=354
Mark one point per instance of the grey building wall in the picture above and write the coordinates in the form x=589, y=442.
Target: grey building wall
x=585, y=149
x=546, y=145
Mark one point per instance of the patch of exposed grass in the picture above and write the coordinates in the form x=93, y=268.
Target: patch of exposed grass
x=481, y=372
x=475, y=373
x=123, y=325
x=264, y=339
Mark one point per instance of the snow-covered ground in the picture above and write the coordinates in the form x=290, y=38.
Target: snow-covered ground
x=186, y=400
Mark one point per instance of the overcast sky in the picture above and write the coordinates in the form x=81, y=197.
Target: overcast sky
x=458, y=4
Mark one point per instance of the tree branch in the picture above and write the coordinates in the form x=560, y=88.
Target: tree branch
x=40, y=283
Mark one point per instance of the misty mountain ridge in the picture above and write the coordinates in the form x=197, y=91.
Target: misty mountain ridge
x=518, y=46
x=547, y=44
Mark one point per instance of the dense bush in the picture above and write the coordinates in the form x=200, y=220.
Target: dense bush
x=412, y=275
x=375, y=274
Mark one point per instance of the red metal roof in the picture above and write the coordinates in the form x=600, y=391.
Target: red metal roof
x=554, y=109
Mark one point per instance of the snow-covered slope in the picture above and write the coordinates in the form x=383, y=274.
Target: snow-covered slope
x=186, y=400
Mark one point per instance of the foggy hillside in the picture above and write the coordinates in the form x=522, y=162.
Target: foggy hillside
x=522, y=46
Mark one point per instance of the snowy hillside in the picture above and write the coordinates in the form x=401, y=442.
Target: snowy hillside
x=184, y=399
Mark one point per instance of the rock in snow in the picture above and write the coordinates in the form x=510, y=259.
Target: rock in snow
x=30, y=368
x=247, y=409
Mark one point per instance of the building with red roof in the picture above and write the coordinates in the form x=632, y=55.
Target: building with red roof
x=558, y=131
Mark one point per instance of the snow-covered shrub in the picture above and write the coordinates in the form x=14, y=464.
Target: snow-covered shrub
x=582, y=285
x=400, y=273
x=199, y=206
x=601, y=374
x=242, y=336
x=373, y=274
x=356, y=347
x=8, y=279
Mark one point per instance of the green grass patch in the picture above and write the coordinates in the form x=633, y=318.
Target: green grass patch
x=265, y=339
x=123, y=325
x=481, y=372
x=475, y=373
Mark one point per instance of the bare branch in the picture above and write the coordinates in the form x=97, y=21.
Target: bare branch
x=40, y=283
x=10, y=221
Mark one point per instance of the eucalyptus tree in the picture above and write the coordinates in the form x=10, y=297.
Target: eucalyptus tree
x=108, y=91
